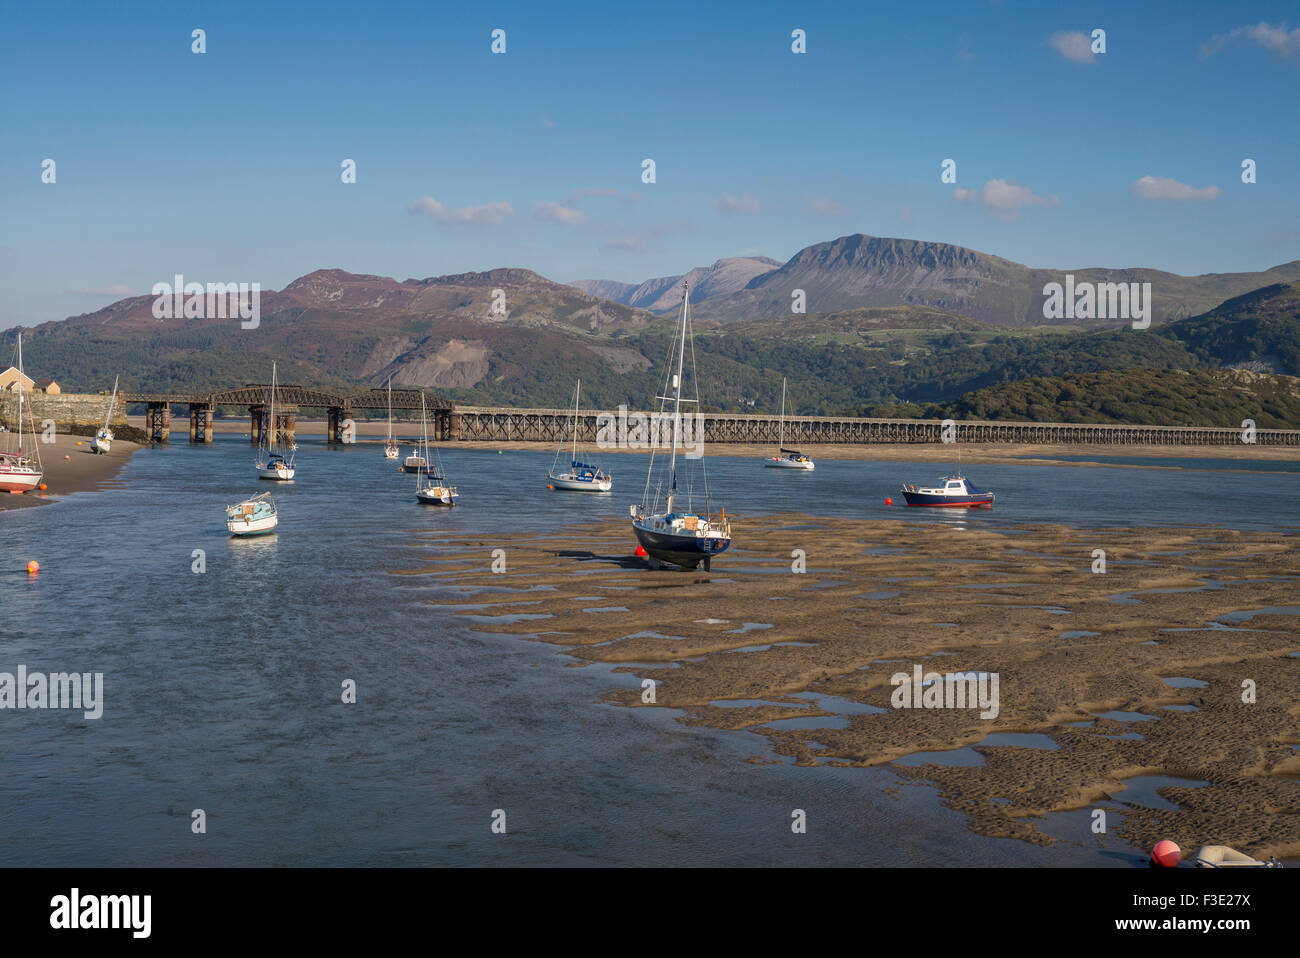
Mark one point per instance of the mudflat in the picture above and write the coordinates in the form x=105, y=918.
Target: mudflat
x=1178, y=660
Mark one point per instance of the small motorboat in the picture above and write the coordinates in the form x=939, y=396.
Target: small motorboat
x=415, y=463
x=956, y=491
x=252, y=517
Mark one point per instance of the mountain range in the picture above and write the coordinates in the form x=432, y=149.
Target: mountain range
x=888, y=321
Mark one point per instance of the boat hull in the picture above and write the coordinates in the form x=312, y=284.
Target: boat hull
x=282, y=473
x=250, y=526
x=687, y=551
x=571, y=484
x=981, y=501
x=436, y=497
x=19, y=480
x=805, y=466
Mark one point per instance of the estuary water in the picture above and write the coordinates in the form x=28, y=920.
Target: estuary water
x=222, y=688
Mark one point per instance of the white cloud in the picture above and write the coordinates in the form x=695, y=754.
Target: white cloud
x=1276, y=40
x=627, y=243
x=489, y=214
x=1004, y=199
x=556, y=213
x=1073, y=45
x=116, y=289
x=745, y=203
x=824, y=206
x=1164, y=188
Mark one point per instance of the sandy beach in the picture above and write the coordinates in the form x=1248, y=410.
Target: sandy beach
x=80, y=471
x=1082, y=659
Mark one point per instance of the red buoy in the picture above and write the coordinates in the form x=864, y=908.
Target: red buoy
x=1166, y=854
x=640, y=552
x=889, y=501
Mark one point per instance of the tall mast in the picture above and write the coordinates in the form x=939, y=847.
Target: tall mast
x=390, y=409
x=677, y=394
x=420, y=468
x=576, y=393
x=20, y=396
x=780, y=436
x=271, y=443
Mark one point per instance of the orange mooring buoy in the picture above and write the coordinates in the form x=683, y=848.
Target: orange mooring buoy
x=640, y=552
x=888, y=501
x=1166, y=854
x=549, y=486
x=41, y=487
x=67, y=457
x=33, y=567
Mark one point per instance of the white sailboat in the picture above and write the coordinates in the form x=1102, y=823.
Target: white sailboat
x=271, y=462
x=252, y=517
x=786, y=458
x=104, y=438
x=390, y=447
x=430, y=484
x=18, y=471
x=671, y=534
x=580, y=476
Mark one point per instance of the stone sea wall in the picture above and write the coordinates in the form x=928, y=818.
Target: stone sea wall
x=68, y=410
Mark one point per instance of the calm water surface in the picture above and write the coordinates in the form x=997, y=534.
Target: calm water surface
x=222, y=689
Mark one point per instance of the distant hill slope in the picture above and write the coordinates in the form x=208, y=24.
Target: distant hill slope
x=862, y=271
x=1258, y=331
x=663, y=294
x=1164, y=397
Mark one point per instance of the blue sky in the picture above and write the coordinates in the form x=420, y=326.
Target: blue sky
x=225, y=166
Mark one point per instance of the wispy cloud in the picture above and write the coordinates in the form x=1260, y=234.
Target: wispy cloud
x=116, y=289
x=1073, y=45
x=627, y=244
x=577, y=196
x=824, y=206
x=489, y=214
x=745, y=203
x=1003, y=199
x=905, y=214
x=1276, y=40
x=1164, y=188
x=555, y=213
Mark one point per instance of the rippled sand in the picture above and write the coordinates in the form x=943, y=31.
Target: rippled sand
x=782, y=645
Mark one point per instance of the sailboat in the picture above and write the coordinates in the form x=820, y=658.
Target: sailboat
x=19, y=472
x=390, y=447
x=430, y=486
x=271, y=462
x=670, y=534
x=579, y=477
x=786, y=458
x=104, y=438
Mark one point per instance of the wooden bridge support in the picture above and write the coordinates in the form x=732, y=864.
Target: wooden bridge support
x=201, y=422
x=158, y=421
